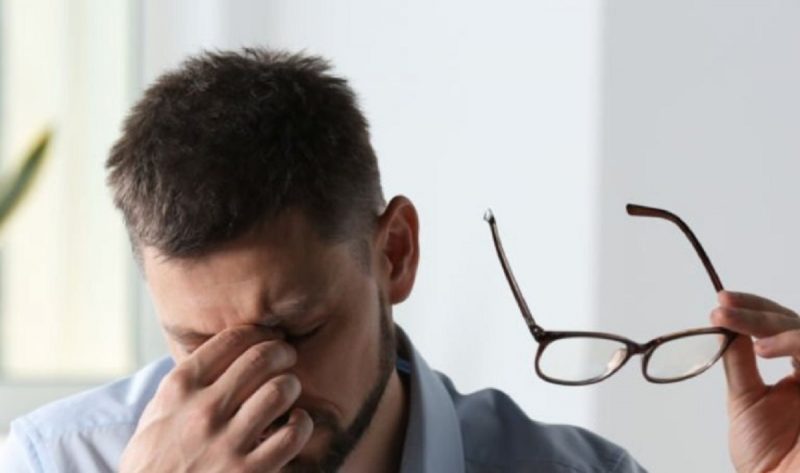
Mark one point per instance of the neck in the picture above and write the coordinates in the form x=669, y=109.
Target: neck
x=381, y=446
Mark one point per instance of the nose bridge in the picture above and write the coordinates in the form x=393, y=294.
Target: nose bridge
x=246, y=305
x=640, y=349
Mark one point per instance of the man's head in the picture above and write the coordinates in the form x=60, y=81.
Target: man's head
x=251, y=195
x=229, y=140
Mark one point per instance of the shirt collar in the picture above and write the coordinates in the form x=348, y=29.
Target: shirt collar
x=433, y=435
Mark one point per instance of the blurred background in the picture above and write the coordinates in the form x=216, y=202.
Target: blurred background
x=555, y=113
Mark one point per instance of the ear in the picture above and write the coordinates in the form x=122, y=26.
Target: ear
x=397, y=249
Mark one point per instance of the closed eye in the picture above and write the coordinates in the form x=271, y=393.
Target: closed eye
x=301, y=337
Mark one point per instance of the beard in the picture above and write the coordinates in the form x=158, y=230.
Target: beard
x=344, y=440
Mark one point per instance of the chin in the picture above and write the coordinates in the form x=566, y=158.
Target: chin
x=311, y=457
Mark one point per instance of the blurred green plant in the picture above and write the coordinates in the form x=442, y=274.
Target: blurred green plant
x=14, y=187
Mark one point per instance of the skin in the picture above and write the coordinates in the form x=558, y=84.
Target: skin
x=273, y=323
x=764, y=419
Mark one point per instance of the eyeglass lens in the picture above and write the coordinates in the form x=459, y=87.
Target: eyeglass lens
x=590, y=359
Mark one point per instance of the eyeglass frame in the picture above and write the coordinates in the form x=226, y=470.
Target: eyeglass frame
x=545, y=337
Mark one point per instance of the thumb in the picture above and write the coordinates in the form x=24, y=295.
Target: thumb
x=741, y=370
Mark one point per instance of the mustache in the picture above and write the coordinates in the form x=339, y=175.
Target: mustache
x=324, y=419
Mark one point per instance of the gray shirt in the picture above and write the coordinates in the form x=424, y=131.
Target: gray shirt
x=447, y=432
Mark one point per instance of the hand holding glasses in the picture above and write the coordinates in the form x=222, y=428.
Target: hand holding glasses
x=581, y=358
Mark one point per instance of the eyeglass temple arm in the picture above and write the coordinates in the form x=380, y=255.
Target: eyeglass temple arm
x=535, y=329
x=642, y=211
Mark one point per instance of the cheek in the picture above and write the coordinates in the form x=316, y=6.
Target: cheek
x=341, y=366
x=176, y=351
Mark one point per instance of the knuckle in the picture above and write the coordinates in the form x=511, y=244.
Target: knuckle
x=236, y=448
x=177, y=385
x=234, y=454
x=277, y=395
x=257, y=357
x=202, y=418
x=715, y=316
x=237, y=463
x=268, y=355
x=283, y=389
x=721, y=316
x=290, y=437
x=233, y=338
x=249, y=467
x=225, y=404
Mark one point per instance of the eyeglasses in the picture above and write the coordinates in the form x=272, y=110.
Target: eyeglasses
x=581, y=358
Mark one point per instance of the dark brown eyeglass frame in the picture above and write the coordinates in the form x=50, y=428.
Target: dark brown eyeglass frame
x=546, y=337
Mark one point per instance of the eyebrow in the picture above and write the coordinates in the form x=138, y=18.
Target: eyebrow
x=288, y=310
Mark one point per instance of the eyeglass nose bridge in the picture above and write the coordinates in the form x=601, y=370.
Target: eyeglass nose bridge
x=646, y=350
x=636, y=349
x=643, y=349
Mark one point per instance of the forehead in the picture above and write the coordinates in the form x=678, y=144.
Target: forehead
x=250, y=280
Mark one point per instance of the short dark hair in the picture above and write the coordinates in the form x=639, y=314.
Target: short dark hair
x=229, y=140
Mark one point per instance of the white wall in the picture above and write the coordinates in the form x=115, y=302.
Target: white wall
x=700, y=112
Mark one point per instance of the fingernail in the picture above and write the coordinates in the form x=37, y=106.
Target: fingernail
x=763, y=344
x=283, y=354
x=294, y=384
x=296, y=420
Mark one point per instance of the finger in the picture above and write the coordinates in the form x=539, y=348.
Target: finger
x=260, y=410
x=214, y=356
x=246, y=374
x=283, y=445
x=741, y=371
x=753, y=322
x=782, y=344
x=744, y=300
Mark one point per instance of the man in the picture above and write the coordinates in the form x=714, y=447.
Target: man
x=253, y=202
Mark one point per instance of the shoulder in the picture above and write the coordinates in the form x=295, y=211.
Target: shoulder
x=89, y=428
x=120, y=402
x=499, y=436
